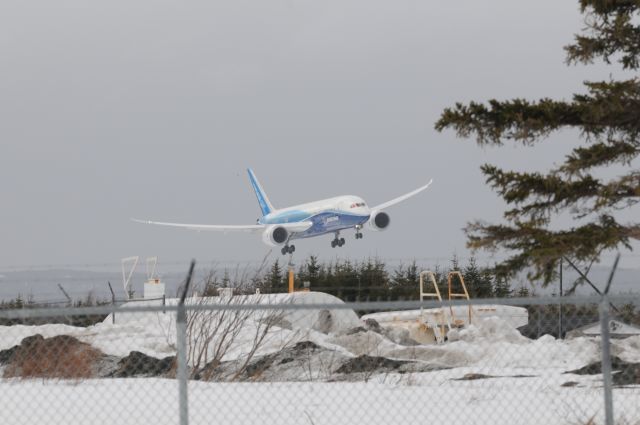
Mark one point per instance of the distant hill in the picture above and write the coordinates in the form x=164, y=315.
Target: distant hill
x=42, y=286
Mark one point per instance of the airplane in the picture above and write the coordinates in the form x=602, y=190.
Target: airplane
x=281, y=226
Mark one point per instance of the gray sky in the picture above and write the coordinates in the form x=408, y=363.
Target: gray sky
x=153, y=109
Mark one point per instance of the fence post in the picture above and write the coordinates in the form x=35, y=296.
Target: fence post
x=560, y=305
x=181, y=342
x=113, y=302
x=606, y=360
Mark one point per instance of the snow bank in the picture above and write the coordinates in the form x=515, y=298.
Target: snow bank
x=325, y=320
x=489, y=343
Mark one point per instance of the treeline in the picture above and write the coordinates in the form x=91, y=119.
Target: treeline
x=372, y=279
x=74, y=320
x=20, y=301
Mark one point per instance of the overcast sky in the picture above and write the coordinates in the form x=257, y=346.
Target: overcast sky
x=153, y=109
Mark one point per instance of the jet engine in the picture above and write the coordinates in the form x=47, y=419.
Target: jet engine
x=275, y=235
x=379, y=221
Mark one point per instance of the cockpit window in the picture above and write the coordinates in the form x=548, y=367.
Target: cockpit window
x=358, y=204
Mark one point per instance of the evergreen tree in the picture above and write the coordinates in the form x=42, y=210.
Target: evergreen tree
x=347, y=280
x=455, y=263
x=502, y=288
x=274, y=280
x=405, y=282
x=312, y=271
x=523, y=292
x=226, y=280
x=441, y=279
x=607, y=117
x=373, y=280
x=479, y=282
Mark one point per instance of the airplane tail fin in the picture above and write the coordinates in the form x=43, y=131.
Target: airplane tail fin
x=263, y=200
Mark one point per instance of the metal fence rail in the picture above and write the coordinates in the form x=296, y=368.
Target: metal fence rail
x=291, y=360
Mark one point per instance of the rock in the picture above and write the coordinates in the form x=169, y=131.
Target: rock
x=7, y=355
x=303, y=361
x=373, y=325
x=366, y=363
x=628, y=375
x=357, y=330
x=624, y=373
x=596, y=367
x=306, y=345
x=474, y=377
x=139, y=364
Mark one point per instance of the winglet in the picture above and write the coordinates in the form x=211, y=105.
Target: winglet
x=263, y=200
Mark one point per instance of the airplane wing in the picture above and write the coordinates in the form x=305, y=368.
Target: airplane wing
x=402, y=198
x=293, y=227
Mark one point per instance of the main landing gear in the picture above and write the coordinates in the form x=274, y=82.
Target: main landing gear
x=288, y=249
x=359, y=234
x=338, y=241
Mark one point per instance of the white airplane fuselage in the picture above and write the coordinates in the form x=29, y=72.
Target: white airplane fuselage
x=328, y=215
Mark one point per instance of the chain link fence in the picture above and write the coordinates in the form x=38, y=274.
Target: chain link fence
x=307, y=358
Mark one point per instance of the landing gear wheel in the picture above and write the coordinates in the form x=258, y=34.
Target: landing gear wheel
x=337, y=241
x=288, y=249
x=358, y=235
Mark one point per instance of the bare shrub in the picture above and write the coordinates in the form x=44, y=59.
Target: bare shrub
x=214, y=327
x=62, y=357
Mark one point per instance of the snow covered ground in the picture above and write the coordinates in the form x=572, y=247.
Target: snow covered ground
x=427, y=398
x=490, y=375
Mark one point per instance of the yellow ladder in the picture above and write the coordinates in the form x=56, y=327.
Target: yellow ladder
x=439, y=327
x=452, y=295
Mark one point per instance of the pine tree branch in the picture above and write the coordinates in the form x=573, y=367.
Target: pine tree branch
x=611, y=31
x=607, y=107
x=537, y=195
x=516, y=119
x=600, y=154
x=540, y=249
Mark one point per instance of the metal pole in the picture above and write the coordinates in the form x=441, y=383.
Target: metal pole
x=606, y=360
x=183, y=397
x=560, y=305
x=65, y=294
x=291, y=286
x=181, y=340
x=113, y=302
